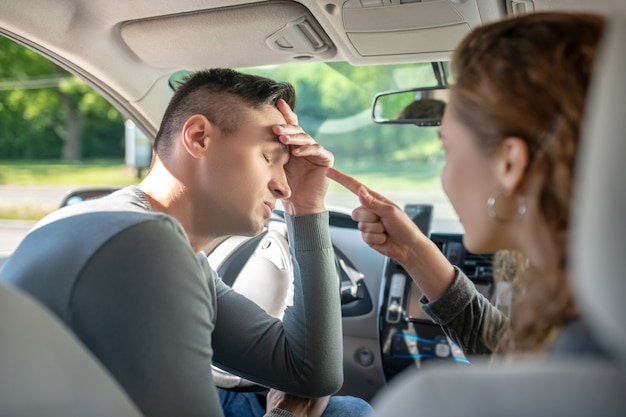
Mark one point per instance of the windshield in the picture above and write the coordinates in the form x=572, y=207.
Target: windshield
x=402, y=162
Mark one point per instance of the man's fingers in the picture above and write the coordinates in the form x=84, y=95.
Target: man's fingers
x=315, y=154
x=300, y=138
x=290, y=117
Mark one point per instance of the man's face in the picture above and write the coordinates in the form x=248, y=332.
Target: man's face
x=243, y=175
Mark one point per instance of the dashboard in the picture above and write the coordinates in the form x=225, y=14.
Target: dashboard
x=385, y=330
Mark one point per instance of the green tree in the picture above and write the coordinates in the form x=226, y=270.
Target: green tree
x=343, y=126
x=45, y=112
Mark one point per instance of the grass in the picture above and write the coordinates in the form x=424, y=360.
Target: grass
x=412, y=174
x=23, y=212
x=52, y=173
x=94, y=173
x=416, y=174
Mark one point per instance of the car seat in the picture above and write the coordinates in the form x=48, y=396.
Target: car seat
x=46, y=371
x=570, y=387
x=600, y=232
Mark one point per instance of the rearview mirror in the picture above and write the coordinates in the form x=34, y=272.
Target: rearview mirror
x=422, y=106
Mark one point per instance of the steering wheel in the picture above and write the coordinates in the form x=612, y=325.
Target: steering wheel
x=259, y=268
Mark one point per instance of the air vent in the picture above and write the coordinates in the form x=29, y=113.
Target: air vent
x=478, y=266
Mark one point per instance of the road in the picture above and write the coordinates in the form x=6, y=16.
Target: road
x=11, y=234
x=29, y=197
x=49, y=198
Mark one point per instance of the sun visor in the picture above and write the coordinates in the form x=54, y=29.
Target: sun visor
x=189, y=41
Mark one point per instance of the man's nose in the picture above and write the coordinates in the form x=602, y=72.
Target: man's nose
x=280, y=187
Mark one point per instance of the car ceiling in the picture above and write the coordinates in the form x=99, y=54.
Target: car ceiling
x=128, y=49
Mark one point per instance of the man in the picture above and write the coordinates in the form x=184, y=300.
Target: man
x=123, y=274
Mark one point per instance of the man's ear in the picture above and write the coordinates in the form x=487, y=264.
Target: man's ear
x=196, y=135
x=513, y=162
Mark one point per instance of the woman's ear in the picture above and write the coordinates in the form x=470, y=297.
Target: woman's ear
x=196, y=135
x=514, y=159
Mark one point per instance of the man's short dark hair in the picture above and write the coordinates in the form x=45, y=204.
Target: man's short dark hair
x=220, y=95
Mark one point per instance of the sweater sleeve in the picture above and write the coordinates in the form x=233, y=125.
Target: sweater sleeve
x=143, y=306
x=303, y=354
x=462, y=312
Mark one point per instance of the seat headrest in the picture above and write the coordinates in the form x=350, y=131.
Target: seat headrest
x=598, y=239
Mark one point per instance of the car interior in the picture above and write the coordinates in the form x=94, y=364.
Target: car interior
x=131, y=52
x=566, y=386
x=46, y=370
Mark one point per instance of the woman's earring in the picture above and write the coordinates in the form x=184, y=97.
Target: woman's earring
x=506, y=209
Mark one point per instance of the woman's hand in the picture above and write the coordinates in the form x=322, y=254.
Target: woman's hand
x=384, y=226
x=387, y=228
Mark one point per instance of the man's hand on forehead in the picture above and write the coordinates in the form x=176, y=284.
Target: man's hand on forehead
x=290, y=117
x=306, y=169
x=300, y=142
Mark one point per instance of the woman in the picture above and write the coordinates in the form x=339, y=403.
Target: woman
x=510, y=133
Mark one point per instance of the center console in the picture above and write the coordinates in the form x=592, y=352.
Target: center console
x=409, y=338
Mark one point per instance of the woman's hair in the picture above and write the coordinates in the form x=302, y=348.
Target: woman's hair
x=222, y=96
x=527, y=77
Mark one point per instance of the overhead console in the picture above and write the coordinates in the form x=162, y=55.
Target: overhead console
x=407, y=27
x=415, y=30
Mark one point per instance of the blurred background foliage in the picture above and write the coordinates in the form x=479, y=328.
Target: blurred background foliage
x=48, y=114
